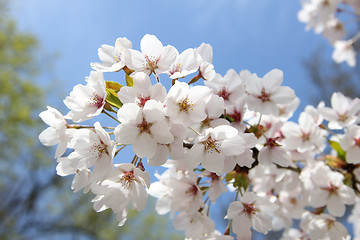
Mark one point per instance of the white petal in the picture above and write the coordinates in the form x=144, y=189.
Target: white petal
x=140, y=196
x=161, y=133
x=353, y=155
x=129, y=112
x=49, y=137
x=126, y=133
x=273, y=79
x=145, y=146
x=150, y=45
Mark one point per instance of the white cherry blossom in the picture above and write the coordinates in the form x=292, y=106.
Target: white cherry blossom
x=87, y=101
x=213, y=145
x=186, y=63
x=92, y=148
x=343, y=112
x=112, y=57
x=250, y=211
x=229, y=87
x=185, y=105
x=125, y=184
x=142, y=90
x=344, y=52
x=195, y=225
x=57, y=132
x=153, y=58
x=265, y=93
x=351, y=144
x=143, y=127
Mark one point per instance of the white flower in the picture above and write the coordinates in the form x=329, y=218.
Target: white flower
x=250, y=211
x=351, y=144
x=57, y=132
x=216, y=187
x=229, y=87
x=305, y=136
x=82, y=176
x=186, y=195
x=153, y=58
x=213, y=145
x=143, y=127
x=186, y=63
x=195, y=225
x=286, y=110
x=354, y=218
x=214, y=109
x=343, y=112
x=243, y=159
x=334, y=30
x=123, y=185
x=215, y=235
x=92, y=148
x=206, y=52
x=236, y=112
x=112, y=57
x=87, y=101
x=330, y=190
x=272, y=152
x=142, y=90
x=264, y=94
x=174, y=149
x=344, y=51
x=162, y=190
x=324, y=226
x=185, y=105
x=206, y=69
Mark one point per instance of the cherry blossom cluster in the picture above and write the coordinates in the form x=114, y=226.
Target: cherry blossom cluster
x=231, y=135
x=329, y=17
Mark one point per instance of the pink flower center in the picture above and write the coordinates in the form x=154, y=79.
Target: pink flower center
x=357, y=142
x=144, y=126
x=224, y=94
x=249, y=209
x=151, y=62
x=175, y=68
x=142, y=100
x=332, y=189
x=305, y=136
x=214, y=177
x=193, y=190
x=271, y=142
x=236, y=116
x=211, y=145
x=265, y=97
x=98, y=101
x=98, y=149
x=127, y=178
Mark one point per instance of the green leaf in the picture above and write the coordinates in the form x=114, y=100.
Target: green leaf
x=230, y=176
x=241, y=181
x=112, y=98
x=113, y=86
x=348, y=180
x=336, y=146
x=129, y=80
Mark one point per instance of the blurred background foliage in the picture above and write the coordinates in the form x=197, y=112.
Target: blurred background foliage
x=35, y=202
x=328, y=77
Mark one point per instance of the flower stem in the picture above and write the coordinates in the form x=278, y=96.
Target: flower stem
x=111, y=116
x=194, y=131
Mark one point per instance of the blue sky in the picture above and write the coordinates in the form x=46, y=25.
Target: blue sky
x=258, y=35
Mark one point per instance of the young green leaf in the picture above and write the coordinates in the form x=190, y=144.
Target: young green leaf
x=112, y=98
